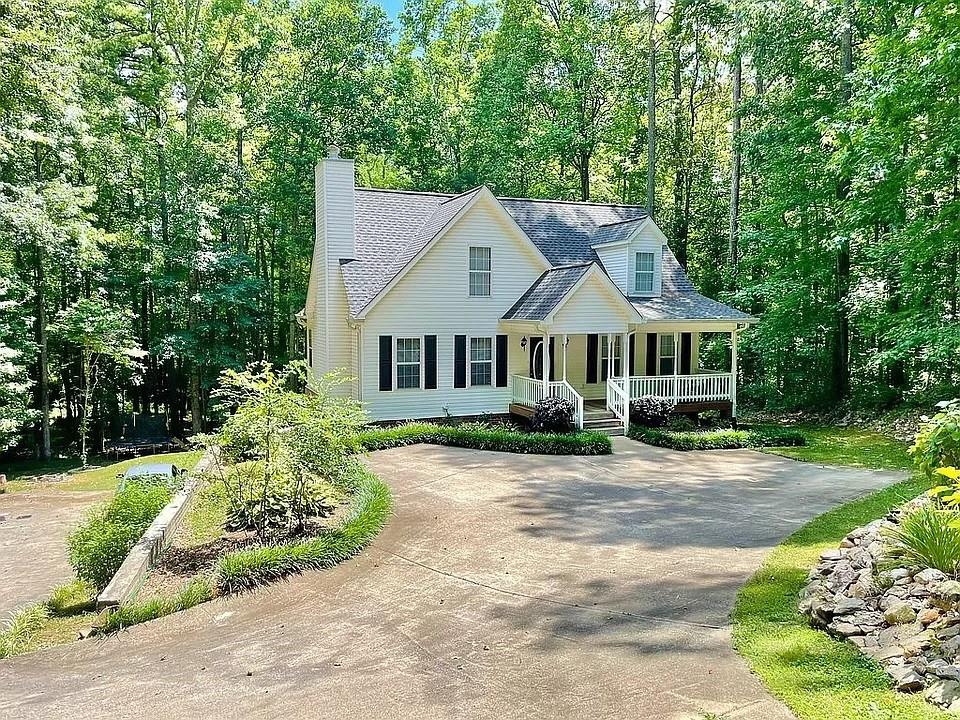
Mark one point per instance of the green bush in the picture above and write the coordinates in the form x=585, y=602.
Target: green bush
x=99, y=546
x=553, y=414
x=937, y=444
x=728, y=439
x=927, y=538
x=499, y=439
x=651, y=411
x=246, y=569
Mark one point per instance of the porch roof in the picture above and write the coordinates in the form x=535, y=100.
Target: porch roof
x=547, y=292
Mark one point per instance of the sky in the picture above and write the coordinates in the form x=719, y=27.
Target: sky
x=393, y=7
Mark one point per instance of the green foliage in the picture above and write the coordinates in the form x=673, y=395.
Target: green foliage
x=72, y=598
x=854, y=446
x=553, y=415
x=22, y=628
x=278, y=446
x=195, y=592
x=100, y=544
x=651, y=411
x=817, y=676
x=717, y=439
x=497, y=439
x=927, y=537
x=937, y=445
x=370, y=508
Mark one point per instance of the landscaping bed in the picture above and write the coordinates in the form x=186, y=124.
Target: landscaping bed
x=716, y=438
x=906, y=619
x=486, y=437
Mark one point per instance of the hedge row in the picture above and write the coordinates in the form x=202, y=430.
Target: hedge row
x=717, y=439
x=499, y=439
x=246, y=569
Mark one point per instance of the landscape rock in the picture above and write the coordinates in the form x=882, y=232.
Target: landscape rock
x=900, y=613
x=907, y=620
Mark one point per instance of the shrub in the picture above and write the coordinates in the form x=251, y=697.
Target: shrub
x=937, y=444
x=651, y=411
x=927, y=538
x=553, y=414
x=99, y=546
x=717, y=439
x=246, y=569
x=22, y=628
x=497, y=439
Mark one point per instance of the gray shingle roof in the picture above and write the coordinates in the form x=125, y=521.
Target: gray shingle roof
x=393, y=226
x=546, y=293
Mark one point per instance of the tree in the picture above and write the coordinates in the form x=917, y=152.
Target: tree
x=103, y=333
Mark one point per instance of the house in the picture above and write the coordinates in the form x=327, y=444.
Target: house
x=462, y=305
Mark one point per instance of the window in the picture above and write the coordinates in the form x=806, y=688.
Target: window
x=309, y=344
x=668, y=354
x=605, y=357
x=481, y=361
x=479, y=272
x=643, y=279
x=408, y=363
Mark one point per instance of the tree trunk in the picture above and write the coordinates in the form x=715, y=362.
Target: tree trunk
x=842, y=348
x=652, y=111
x=733, y=250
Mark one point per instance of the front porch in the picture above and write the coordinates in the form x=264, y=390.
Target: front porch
x=601, y=389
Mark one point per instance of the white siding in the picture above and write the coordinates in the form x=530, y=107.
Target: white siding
x=432, y=299
x=614, y=261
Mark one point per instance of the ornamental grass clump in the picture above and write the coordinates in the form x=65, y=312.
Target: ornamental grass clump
x=927, y=537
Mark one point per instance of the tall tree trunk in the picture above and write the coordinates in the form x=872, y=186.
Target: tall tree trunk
x=43, y=370
x=842, y=346
x=733, y=249
x=652, y=110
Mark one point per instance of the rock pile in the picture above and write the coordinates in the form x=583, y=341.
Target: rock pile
x=907, y=621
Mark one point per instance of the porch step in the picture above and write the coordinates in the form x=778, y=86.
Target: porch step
x=608, y=425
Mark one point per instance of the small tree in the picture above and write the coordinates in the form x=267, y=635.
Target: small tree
x=103, y=333
x=277, y=443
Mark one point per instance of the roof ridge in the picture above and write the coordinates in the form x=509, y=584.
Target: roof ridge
x=402, y=191
x=461, y=195
x=567, y=266
x=588, y=203
x=623, y=222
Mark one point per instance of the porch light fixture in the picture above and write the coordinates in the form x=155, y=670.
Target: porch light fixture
x=523, y=343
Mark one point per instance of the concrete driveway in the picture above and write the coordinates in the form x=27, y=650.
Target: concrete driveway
x=34, y=525
x=506, y=586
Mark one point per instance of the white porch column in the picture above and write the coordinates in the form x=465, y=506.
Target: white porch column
x=625, y=373
x=676, y=367
x=609, y=355
x=733, y=373
x=564, y=357
x=546, y=365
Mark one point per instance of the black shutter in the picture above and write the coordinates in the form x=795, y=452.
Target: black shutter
x=593, y=351
x=686, y=352
x=459, y=361
x=552, y=376
x=386, y=362
x=534, y=342
x=652, y=353
x=430, y=362
x=633, y=354
x=501, y=359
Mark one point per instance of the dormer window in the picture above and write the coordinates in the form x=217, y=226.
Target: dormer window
x=644, y=275
x=479, y=272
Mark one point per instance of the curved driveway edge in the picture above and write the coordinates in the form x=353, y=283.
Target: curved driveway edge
x=506, y=586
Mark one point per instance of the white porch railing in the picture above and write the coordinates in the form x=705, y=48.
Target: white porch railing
x=617, y=401
x=704, y=387
x=530, y=391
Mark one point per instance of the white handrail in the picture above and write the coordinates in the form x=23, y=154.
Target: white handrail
x=529, y=391
x=704, y=387
x=617, y=399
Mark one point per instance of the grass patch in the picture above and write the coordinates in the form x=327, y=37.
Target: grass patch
x=857, y=447
x=724, y=439
x=207, y=515
x=818, y=677
x=497, y=439
x=105, y=478
x=22, y=629
x=246, y=569
x=198, y=590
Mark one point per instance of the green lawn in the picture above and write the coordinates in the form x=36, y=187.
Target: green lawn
x=818, y=677
x=104, y=477
x=848, y=446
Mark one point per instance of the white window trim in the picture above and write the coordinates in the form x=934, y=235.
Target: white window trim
x=661, y=356
x=602, y=361
x=637, y=271
x=488, y=272
x=309, y=348
x=493, y=360
x=396, y=362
